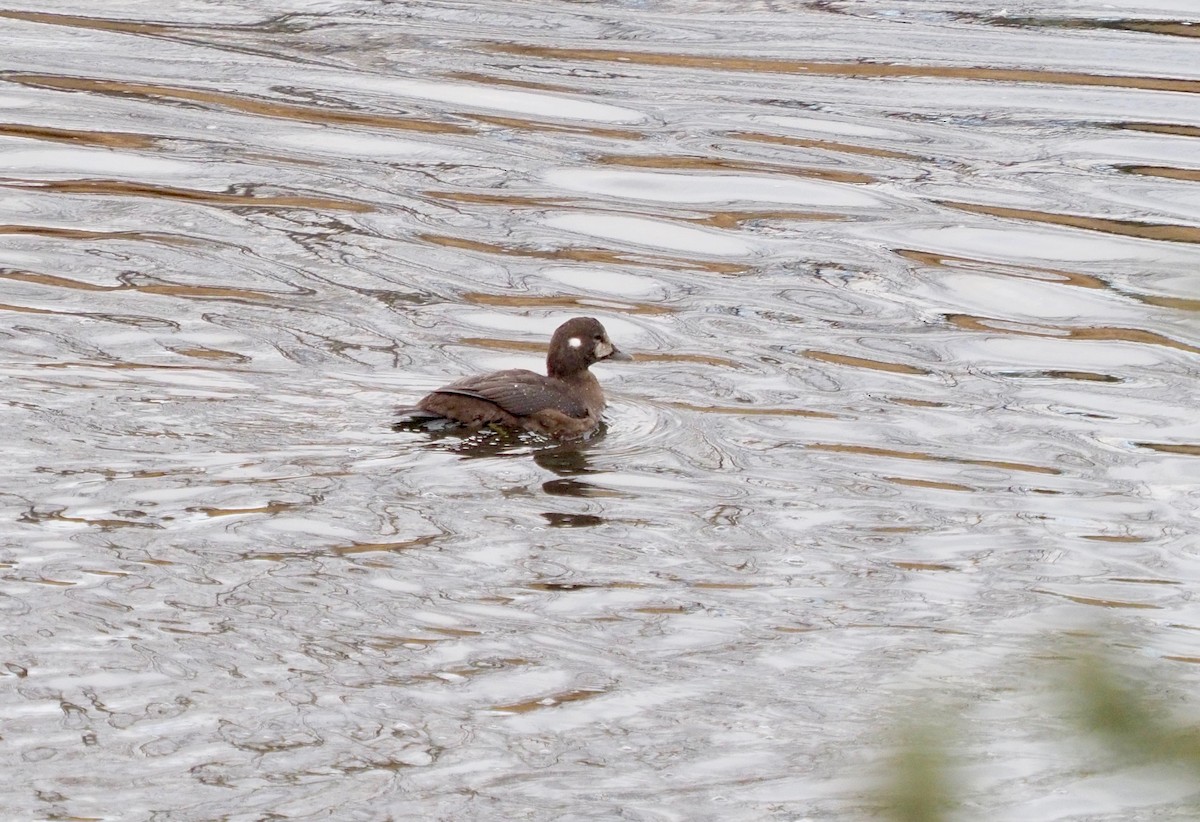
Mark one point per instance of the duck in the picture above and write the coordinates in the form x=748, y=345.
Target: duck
x=563, y=404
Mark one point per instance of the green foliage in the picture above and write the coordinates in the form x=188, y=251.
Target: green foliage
x=919, y=786
x=1125, y=715
x=1094, y=696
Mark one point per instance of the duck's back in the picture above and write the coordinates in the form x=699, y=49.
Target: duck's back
x=520, y=399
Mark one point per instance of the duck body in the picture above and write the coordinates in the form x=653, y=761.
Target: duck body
x=565, y=403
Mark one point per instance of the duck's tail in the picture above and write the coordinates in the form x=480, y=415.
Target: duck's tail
x=408, y=419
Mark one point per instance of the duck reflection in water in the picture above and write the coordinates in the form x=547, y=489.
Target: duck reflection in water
x=564, y=404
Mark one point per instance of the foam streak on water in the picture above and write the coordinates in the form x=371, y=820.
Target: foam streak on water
x=912, y=290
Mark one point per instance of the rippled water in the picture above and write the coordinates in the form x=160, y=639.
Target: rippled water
x=912, y=289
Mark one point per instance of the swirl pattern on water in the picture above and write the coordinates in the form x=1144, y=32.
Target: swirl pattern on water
x=912, y=295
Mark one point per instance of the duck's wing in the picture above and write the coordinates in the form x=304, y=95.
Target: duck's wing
x=519, y=392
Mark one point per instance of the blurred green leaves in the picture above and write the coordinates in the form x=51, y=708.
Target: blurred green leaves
x=1116, y=705
x=919, y=784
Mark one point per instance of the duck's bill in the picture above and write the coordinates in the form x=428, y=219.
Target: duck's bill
x=618, y=354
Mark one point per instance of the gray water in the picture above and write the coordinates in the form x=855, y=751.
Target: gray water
x=912, y=290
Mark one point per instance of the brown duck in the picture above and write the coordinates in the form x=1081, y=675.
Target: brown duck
x=564, y=404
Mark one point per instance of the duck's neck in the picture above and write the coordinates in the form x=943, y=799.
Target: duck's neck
x=577, y=376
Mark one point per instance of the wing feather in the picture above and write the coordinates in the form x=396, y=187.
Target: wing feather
x=518, y=392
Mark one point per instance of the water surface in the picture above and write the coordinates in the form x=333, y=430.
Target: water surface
x=912, y=290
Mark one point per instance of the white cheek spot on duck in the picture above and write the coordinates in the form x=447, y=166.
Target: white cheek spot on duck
x=574, y=342
x=603, y=349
